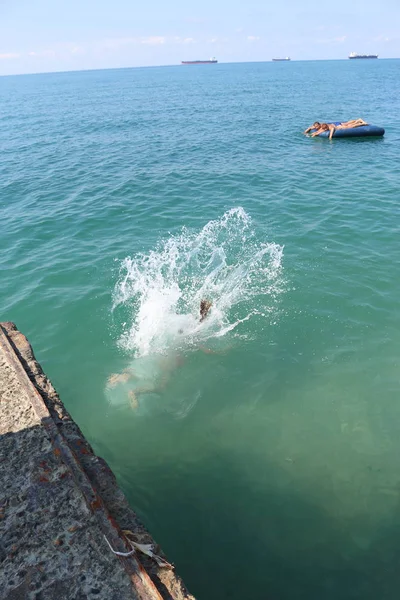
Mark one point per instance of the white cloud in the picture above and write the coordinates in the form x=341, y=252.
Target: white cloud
x=43, y=54
x=179, y=40
x=196, y=20
x=77, y=50
x=153, y=40
x=64, y=50
x=381, y=38
x=115, y=43
x=9, y=55
x=219, y=40
x=253, y=38
x=336, y=40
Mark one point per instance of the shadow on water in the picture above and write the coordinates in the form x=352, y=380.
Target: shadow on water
x=267, y=542
x=254, y=532
x=352, y=140
x=263, y=525
x=257, y=528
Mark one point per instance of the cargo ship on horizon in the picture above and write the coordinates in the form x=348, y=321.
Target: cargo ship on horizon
x=281, y=59
x=355, y=55
x=211, y=61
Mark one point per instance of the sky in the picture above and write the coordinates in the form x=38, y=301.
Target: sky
x=39, y=36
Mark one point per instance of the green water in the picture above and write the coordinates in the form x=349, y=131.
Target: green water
x=260, y=448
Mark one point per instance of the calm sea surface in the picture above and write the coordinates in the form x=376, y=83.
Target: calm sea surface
x=262, y=447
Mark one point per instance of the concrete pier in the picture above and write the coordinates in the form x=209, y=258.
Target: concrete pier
x=61, y=511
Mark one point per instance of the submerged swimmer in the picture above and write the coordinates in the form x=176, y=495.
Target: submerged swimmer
x=128, y=374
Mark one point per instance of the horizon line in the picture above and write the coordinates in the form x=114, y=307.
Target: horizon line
x=249, y=62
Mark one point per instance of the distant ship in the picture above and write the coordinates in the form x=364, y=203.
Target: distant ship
x=281, y=59
x=355, y=55
x=211, y=61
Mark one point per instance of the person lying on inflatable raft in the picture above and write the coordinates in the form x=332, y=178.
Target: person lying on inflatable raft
x=322, y=127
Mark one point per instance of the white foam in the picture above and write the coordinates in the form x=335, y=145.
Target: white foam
x=227, y=262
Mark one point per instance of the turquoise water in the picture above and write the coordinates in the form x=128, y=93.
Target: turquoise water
x=261, y=447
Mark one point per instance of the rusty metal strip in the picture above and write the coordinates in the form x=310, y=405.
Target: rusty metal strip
x=141, y=581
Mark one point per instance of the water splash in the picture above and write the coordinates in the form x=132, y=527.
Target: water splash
x=227, y=262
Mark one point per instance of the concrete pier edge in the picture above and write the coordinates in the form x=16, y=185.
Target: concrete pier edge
x=91, y=476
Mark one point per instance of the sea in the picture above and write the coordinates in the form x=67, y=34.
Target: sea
x=261, y=446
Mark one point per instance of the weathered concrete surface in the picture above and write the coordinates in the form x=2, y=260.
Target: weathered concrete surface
x=58, y=501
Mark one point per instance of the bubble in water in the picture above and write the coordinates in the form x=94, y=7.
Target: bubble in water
x=226, y=263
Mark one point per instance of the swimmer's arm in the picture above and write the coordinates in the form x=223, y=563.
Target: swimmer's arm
x=318, y=132
x=332, y=130
x=308, y=129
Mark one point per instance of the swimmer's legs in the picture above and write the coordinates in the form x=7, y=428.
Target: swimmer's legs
x=133, y=401
x=133, y=395
x=352, y=123
x=117, y=378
